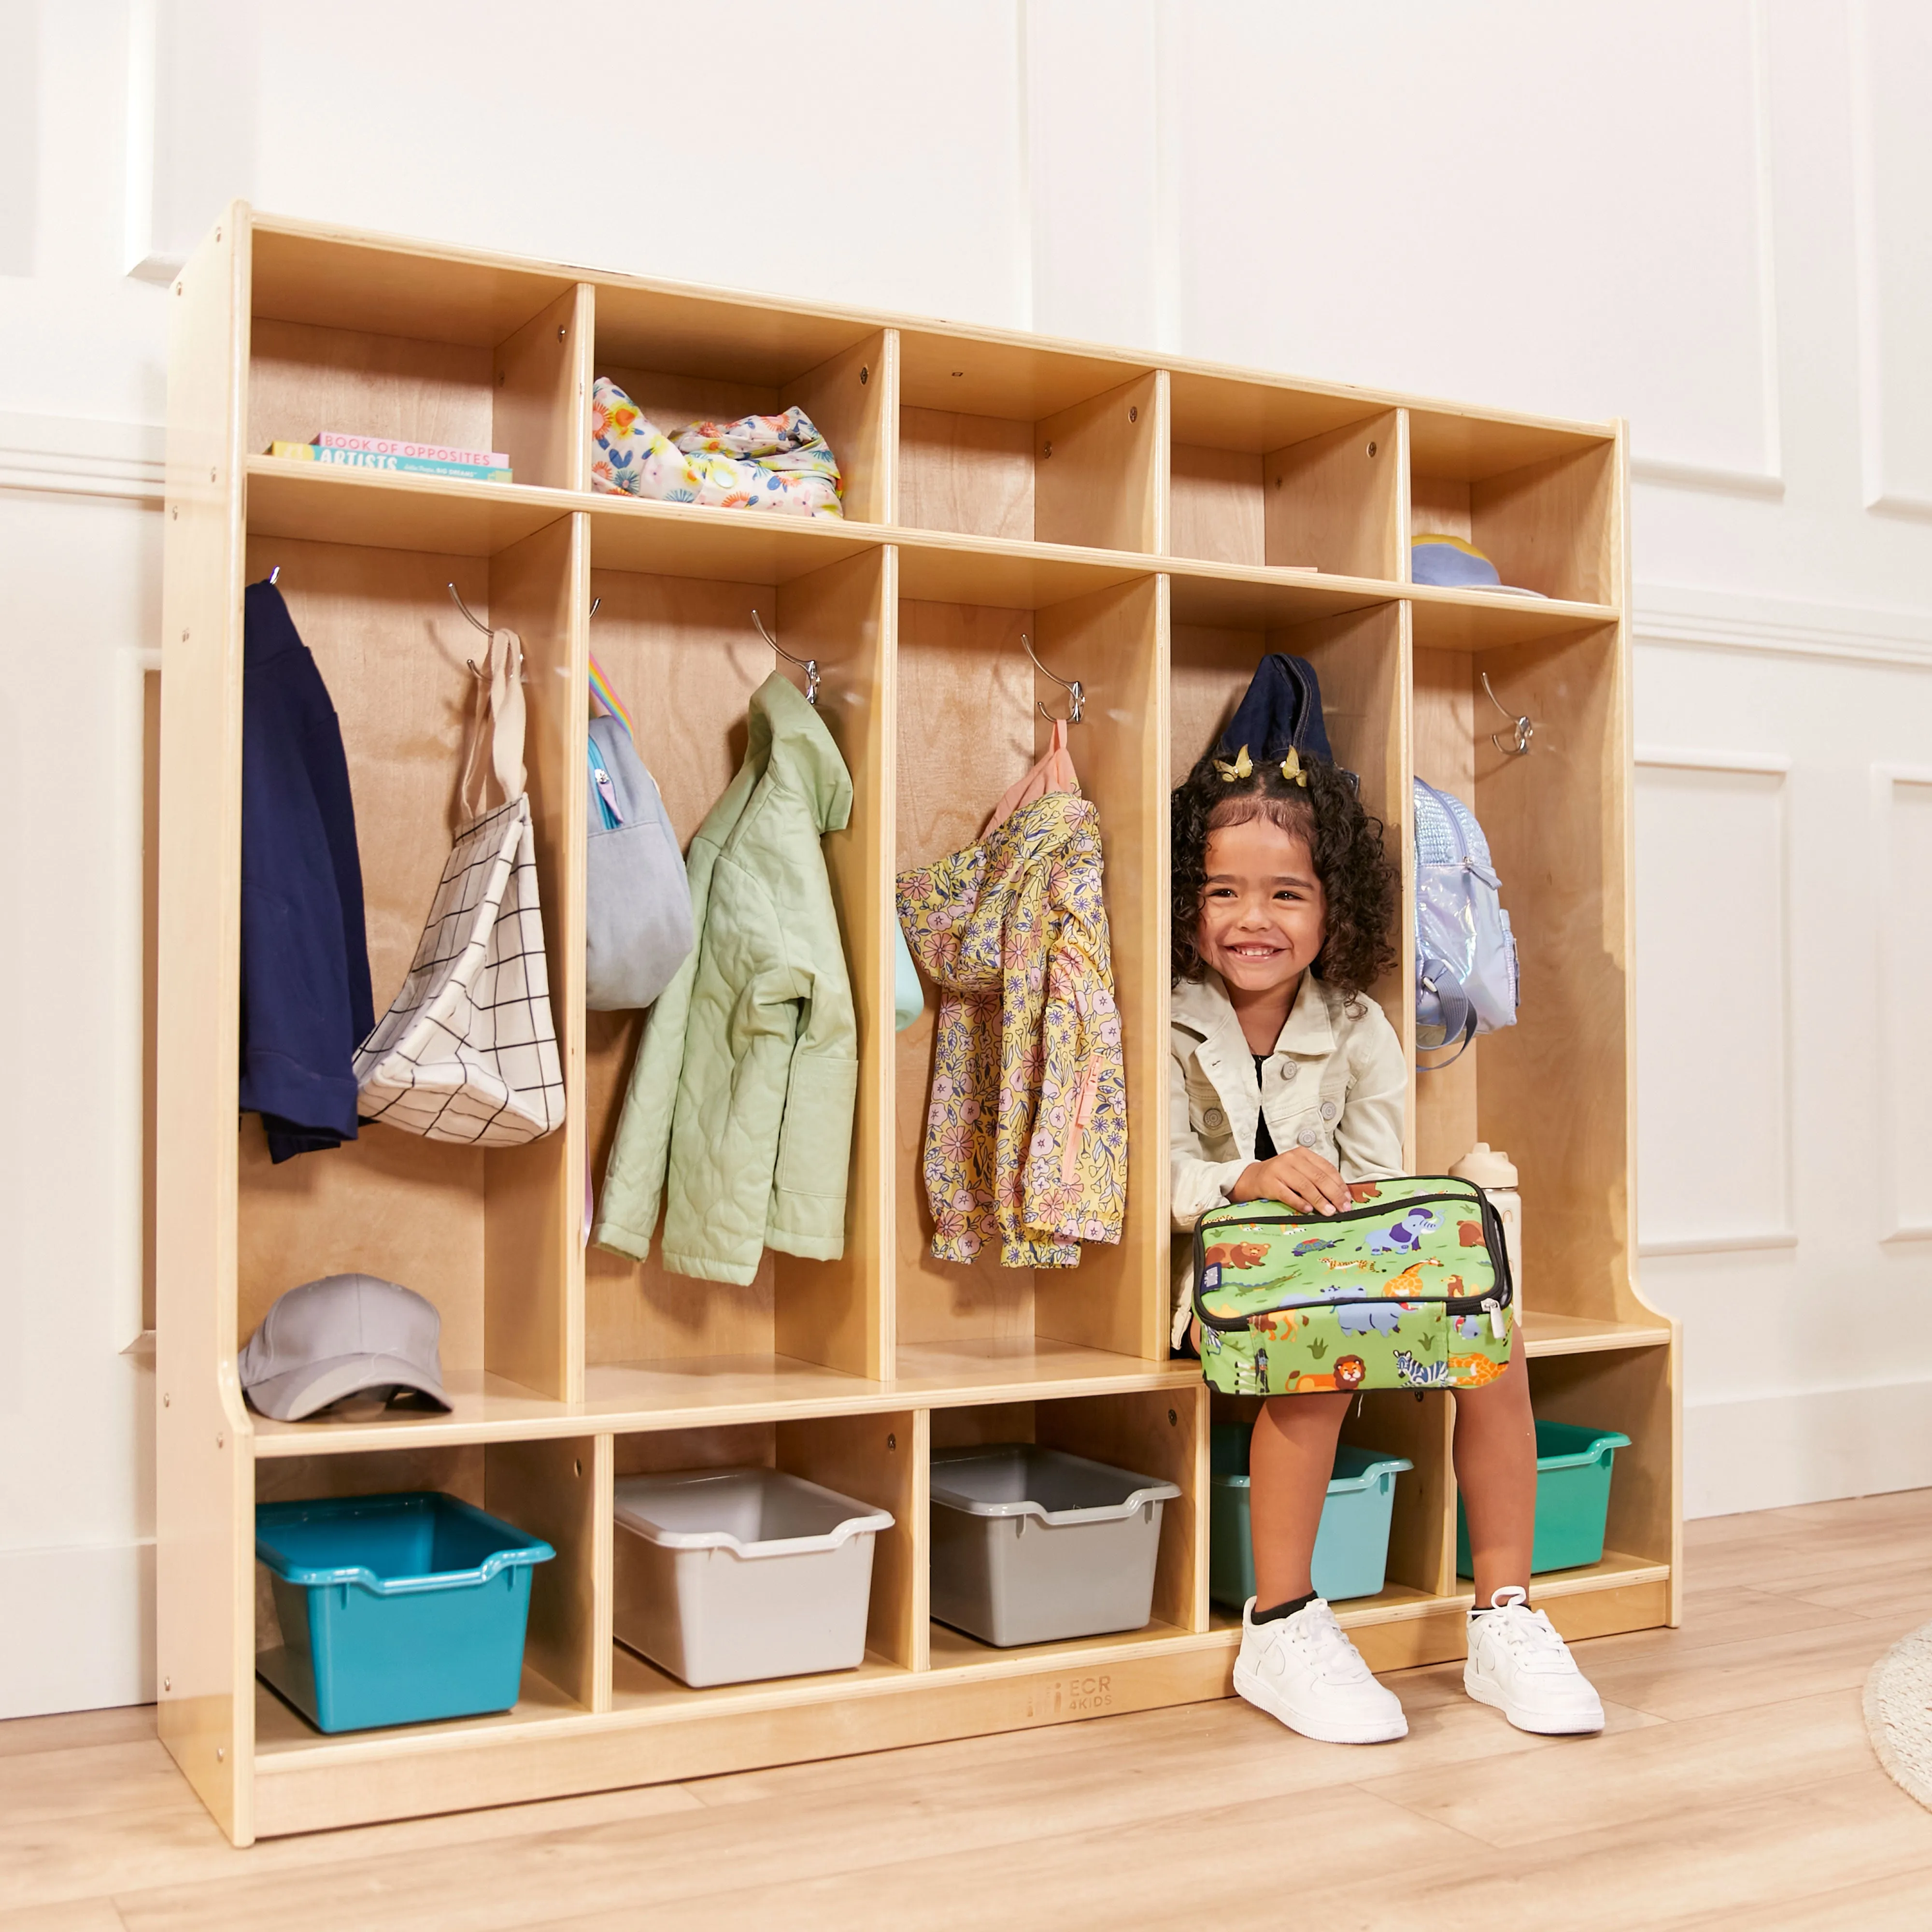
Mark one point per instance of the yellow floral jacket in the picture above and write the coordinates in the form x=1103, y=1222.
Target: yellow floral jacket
x=1027, y=1130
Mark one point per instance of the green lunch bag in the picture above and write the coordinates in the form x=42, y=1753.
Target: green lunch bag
x=1409, y=1289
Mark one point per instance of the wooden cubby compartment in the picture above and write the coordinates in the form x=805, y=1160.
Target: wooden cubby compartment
x=968, y=728
x=373, y=341
x=1543, y=504
x=483, y=1233
x=1263, y=474
x=1157, y=1432
x=876, y=1458
x=1553, y=1089
x=546, y=1488
x=998, y=439
x=684, y=653
x=1629, y=1390
x=683, y=358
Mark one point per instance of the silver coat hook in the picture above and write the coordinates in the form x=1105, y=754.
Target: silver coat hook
x=594, y=602
x=456, y=597
x=808, y=665
x=1524, y=729
x=1076, y=692
x=275, y=573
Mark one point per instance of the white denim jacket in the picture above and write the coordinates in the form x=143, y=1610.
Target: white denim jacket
x=1336, y=1084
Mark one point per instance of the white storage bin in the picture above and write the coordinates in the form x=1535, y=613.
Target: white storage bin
x=724, y=1575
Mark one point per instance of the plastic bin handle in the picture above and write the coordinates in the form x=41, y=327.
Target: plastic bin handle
x=491, y=1567
x=1152, y=1492
x=753, y=1553
x=1579, y=1459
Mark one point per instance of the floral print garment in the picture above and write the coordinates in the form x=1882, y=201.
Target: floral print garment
x=759, y=462
x=1027, y=1129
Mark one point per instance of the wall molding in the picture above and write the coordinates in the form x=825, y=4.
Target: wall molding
x=1776, y=765
x=1666, y=474
x=80, y=1627
x=1729, y=621
x=1776, y=1448
x=81, y=456
x=1893, y=975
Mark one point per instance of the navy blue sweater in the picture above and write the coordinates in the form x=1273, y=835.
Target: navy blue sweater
x=305, y=1000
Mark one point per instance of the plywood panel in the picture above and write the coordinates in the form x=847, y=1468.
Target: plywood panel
x=879, y=1460
x=1551, y=526
x=1216, y=504
x=966, y=731
x=550, y=1490
x=851, y=398
x=834, y=1313
x=686, y=659
x=538, y=395
x=391, y=649
x=534, y=1194
x=1555, y=1086
x=671, y=400
x=1331, y=500
x=1098, y=474
x=1438, y=505
x=971, y=473
x=304, y=379
x=1113, y=644
x=203, y=1652
x=1160, y=1435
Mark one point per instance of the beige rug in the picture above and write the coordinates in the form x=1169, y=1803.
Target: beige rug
x=1898, y=1712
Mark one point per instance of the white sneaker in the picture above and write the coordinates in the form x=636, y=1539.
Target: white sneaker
x=1304, y=1670
x=1519, y=1664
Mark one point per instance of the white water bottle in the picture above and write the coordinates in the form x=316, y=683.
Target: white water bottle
x=1495, y=1175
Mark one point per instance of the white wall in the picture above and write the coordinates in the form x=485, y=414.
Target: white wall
x=1707, y=218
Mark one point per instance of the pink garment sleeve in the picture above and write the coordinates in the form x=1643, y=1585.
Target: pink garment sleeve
x=1054, y=773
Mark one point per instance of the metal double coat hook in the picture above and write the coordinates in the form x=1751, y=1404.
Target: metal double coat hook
x=808, y=665
x=1523, y=729
x=1076, y=692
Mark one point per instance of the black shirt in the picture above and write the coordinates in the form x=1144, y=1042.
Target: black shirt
x=1264, y=1147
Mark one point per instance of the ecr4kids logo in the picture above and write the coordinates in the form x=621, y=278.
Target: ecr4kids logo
x=1077, y=1696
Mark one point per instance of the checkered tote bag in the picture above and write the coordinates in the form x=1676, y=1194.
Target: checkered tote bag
x=468, y=1051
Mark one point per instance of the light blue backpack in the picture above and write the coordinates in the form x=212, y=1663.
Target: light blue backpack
x=1466, y=969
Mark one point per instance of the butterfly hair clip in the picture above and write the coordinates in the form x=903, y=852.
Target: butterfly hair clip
x=1242, y=767
x=1292, y=771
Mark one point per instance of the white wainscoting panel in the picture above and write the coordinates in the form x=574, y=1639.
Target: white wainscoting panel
x=1891, y=81
x=1902, y=799
x=1714, y=1048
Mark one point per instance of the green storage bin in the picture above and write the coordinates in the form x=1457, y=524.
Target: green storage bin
x=1572, y=1498
x=1351, y=1547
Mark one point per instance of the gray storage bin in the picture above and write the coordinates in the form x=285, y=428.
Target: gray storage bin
x=1032, y=1545
x=724, y=1575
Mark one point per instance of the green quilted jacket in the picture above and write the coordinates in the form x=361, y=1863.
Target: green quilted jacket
x=738, y=1118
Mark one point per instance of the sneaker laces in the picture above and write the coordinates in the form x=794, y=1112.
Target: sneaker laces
x=1327, y=1644
x=1529, y=1633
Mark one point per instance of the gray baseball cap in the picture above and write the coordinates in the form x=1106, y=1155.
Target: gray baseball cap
x=344, y=1335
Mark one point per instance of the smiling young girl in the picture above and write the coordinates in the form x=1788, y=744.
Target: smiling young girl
x=1288, y=1083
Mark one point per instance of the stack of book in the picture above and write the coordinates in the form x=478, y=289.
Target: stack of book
x=383, y=452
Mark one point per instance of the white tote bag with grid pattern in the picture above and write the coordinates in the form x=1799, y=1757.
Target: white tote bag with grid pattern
x=468, y=1050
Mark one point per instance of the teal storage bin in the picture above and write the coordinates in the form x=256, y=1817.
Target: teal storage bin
x=1572, y=1498
x=395, y=1609
x=1351, y=1545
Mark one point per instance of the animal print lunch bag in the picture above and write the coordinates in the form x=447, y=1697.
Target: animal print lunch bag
x=1409, y=1289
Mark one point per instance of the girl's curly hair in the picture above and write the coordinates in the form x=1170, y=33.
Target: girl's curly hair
x=1358, y=880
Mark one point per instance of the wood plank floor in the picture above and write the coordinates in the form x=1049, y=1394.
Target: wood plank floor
x=1734, y=1785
